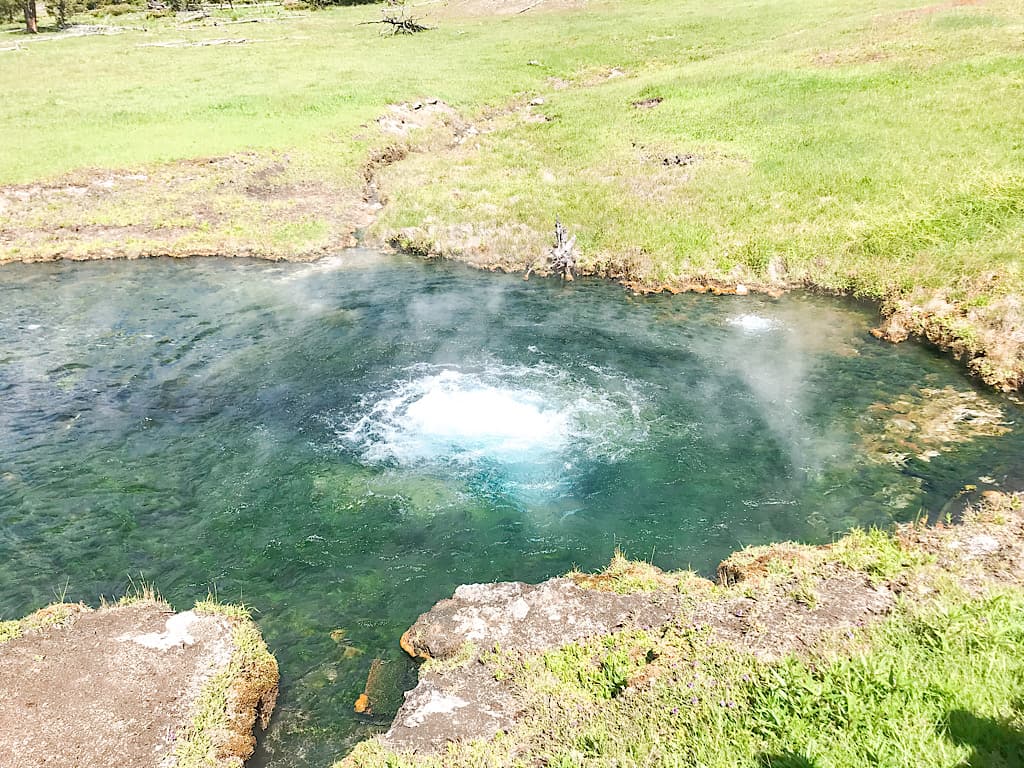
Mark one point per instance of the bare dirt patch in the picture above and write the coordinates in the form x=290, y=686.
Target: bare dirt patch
x=476, y=8
x=987, y=547
x=403, y=119
x=113, y=687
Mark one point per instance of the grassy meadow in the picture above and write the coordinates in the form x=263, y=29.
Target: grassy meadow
x=861, y=147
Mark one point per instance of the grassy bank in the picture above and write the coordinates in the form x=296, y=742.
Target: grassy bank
x=868, y=148
x=938, y=681
x=939, y=686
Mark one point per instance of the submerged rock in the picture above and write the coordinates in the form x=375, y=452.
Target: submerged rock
x=385, y=684
x=929, y=423
x=133, y=685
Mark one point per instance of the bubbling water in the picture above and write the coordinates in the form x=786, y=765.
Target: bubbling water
x=504, y=424
x=515, y=416
x=753, y=323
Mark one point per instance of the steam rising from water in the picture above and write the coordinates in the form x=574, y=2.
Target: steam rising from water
x=518, y=416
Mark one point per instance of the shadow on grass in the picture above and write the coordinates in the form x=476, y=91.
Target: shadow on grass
x=785, y=760
x=995, y=743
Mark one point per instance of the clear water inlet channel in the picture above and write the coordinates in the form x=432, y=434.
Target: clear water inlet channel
x=340, y=444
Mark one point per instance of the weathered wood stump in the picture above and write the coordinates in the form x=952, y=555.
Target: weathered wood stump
x=561, y=259
x=563, y=255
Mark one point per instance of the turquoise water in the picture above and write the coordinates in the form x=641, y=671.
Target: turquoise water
x=341, y=444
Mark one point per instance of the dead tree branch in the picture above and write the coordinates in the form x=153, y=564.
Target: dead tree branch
x=400, y=24
x=530, y=7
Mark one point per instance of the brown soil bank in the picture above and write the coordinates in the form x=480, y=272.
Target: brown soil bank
x=133, y=685
x=770, y=603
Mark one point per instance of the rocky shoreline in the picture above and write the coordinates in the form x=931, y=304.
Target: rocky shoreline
x=137, y=680
x=770, y=602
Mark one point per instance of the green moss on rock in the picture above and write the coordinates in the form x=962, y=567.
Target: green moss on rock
x=233, y=701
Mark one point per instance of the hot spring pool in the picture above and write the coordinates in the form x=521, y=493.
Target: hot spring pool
x=341, y=444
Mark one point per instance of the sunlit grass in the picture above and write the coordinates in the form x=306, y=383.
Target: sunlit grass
x=936, y=685
x=864, y=147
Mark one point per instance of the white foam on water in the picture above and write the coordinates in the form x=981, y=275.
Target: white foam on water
x=753, y=323
x=512, y=415
x=500, y=423
x=321, y=266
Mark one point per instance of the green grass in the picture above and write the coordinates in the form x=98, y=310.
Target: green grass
x=937, y=685
x=52, y=615
x=239, y=687
x=627, y=576
x=862, y=147
x=872, y=148
x=876, y=553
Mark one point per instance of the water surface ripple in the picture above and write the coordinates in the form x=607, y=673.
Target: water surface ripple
x=341, y=444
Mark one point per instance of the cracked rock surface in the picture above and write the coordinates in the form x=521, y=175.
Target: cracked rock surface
x=530, y=617
x=466, y=702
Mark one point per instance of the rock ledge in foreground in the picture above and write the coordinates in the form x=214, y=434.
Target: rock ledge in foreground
x=771, y=601
x=134, y=684
x=465, y=701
